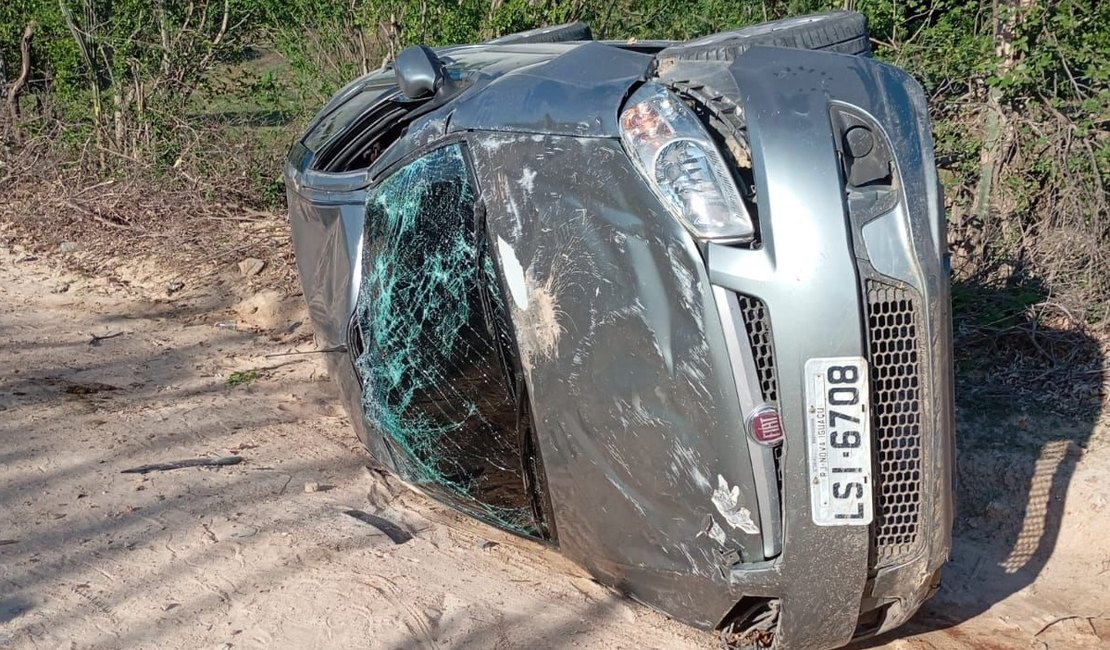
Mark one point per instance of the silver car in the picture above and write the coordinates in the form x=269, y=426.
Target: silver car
x=679, y=309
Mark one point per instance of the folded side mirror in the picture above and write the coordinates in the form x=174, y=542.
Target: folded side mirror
x=420, y=73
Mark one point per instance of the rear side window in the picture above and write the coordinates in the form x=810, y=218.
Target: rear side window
x=339, y=117
x=362, y=140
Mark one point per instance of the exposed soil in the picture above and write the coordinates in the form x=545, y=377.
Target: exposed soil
x=100, y=375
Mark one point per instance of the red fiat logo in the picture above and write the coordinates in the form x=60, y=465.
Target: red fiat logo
x=764, y=425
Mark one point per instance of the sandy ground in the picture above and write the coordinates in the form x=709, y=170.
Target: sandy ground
x=245, y=557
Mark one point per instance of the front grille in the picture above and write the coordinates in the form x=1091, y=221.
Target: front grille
x=896, y=347
x=757, y=322
x=777, y=453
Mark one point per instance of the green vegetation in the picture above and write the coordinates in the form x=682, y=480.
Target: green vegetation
x=241, y=377
x=207, y=95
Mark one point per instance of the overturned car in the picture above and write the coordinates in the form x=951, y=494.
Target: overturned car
x=679, y=309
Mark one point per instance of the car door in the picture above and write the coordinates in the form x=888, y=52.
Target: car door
x=431, y=346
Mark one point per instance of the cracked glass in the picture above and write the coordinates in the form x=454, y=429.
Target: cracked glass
x=433, y=350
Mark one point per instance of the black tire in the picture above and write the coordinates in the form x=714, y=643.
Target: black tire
x=835, y=31
x=576, y=31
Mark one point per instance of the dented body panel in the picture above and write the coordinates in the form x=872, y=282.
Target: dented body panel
x=626, y=348
x=578, y=94
x=646, y=435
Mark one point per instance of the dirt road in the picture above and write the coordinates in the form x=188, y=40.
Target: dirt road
x=96, y=378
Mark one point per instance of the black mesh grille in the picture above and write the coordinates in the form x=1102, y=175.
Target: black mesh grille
x=778, y=466
x=895, y=346
x=758, y=324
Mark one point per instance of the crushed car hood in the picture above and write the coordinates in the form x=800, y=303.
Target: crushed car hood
x=578, y=93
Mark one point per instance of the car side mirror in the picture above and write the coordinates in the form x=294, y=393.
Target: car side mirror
x=420, y=73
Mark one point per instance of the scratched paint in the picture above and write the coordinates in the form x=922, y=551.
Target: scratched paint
x=514, y=274
x=727, y=502
x=528, y=179
x=629, y=400
x=541, y=329
x=715, y=532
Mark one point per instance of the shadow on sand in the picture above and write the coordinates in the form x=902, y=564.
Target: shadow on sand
x=1028, y=398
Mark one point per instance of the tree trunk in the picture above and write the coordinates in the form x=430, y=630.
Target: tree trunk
x=90, y=62
x=21, y=81
x=1007, y=15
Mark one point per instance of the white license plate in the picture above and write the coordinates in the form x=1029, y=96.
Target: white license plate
x=838, y=430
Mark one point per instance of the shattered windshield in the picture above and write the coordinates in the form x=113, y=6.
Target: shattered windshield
x=433, y=365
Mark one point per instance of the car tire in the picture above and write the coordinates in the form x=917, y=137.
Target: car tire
x=844, y=32
x=576, y=31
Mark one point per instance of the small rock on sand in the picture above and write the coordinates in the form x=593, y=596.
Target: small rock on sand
x=251, y=266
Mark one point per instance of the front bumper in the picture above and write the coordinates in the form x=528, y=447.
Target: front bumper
x=847, y=275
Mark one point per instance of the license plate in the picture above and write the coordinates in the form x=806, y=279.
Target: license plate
x=838, y=430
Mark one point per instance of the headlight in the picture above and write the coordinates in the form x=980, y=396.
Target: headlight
x=674, y=152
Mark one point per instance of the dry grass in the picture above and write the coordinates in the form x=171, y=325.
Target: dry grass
x=186, y=219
